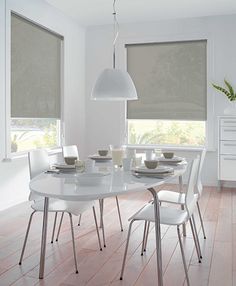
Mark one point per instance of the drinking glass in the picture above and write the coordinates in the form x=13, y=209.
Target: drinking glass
x=117, y=154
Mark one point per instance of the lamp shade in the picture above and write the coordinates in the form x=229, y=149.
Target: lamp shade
x=114, y=84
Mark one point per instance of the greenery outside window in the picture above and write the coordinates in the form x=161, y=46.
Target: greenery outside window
x=32, y=133
x=166, y=132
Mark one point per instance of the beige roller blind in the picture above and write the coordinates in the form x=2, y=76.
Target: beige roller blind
x=170, y=79
x=35, y=70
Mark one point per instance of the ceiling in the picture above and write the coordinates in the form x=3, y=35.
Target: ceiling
x=99, y=12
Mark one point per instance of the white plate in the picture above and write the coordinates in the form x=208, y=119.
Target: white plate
x=91, y=179
x=158, y=176
x=64, y=166
x=157, y=170
x=173, y=160
x=100, y=158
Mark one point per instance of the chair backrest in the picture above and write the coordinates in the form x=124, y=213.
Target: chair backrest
x=199, y=173
x=38, y=162
x=70, y=151
x=190, y=201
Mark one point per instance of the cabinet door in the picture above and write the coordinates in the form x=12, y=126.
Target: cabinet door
x=228, y=167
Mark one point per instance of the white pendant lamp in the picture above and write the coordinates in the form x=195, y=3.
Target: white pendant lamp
x=114, y=84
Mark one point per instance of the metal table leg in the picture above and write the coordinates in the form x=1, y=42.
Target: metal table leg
x=182, y=207
x=158, y=235
x=44, y=238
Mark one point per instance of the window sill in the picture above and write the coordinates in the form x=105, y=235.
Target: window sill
x=166, y=147
x=21, y=155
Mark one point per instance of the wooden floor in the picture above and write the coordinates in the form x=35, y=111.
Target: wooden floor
x=218, y=266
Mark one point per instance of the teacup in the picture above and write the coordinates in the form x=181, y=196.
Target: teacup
x=102, y=152
x=151, y=164
x=168, y=155
x=70, y=160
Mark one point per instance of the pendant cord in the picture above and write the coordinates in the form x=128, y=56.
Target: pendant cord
x=116, y=33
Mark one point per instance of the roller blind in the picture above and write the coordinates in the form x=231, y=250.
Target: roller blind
x=35, y=70
x=171, y=80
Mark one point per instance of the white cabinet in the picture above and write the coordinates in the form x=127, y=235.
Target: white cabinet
x=227, y=148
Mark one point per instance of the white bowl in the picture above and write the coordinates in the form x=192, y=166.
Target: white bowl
x=90, y=179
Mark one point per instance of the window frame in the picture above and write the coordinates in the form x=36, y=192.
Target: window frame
x=122, y=64
x=8, y=154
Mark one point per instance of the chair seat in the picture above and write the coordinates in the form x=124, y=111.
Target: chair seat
x=168, y=215
x=75, y=208
x=173, y=197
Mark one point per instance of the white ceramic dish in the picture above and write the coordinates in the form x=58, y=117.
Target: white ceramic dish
x=91, y=179
x=173, y=160
x=157, y=170
x=64, y=166
x=100, y=158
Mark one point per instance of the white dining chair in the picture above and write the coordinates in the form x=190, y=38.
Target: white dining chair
x=179, y=198
x=172, y=217
x=39, y=163
x=72, y=151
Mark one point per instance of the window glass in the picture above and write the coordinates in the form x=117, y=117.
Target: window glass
x=32, y=133
x=166, y=132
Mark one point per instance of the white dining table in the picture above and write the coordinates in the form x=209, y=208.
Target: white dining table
x=66, y=186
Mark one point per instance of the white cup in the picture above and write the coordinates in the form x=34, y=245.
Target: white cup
x=127, y=164
x=130, y=153
x=138, y=161
x=149, y=154
x=89, y=166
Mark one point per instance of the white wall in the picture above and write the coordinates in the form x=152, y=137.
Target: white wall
x=14, y=176
x=105, y=122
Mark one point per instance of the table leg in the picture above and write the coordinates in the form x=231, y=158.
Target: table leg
x=44, y=238
x=158, y=236
x=182, y=207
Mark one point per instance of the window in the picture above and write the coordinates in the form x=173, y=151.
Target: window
x=171, y=84
x=35, y=86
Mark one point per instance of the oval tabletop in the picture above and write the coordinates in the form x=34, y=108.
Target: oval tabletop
x=116, y=182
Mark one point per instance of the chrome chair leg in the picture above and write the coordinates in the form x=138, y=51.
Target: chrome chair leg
x=195, y=242
x=26, y=237
x=126, y=250
x=201, y=220
x=118, y=209
x=96, y=224
x=101, y=204
x=183, y=257
x=101, y=222
x=197, y=239
x=73, y=242
x=80, y=216
x=59, y=228
x=144, y=237
x=54, y=226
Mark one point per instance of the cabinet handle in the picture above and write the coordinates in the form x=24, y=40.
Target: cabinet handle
x=230, y=159
x=229, y=130
x=229, y=144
